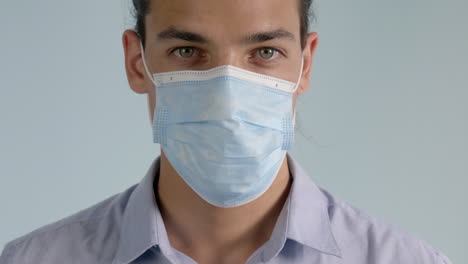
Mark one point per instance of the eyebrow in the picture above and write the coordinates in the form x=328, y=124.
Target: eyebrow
x=258, y=37
x=173, y=33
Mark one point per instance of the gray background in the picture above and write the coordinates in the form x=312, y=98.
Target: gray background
x=383, y=127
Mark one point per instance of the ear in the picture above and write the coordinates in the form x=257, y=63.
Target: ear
x=309, y=50
x=133, y=62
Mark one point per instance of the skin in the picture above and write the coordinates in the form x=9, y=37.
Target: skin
x=214, y=234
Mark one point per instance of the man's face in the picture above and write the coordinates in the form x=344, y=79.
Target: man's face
x=262, y=36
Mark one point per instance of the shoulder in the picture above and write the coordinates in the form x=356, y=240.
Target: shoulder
x=84, y=235
x=374, y=240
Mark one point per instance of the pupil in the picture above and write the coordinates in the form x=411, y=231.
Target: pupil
x=186, y=52
x=266, y=53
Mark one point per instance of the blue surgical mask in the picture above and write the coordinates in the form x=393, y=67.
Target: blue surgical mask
x=225, y=131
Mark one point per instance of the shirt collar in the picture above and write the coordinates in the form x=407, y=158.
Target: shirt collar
x=304, y=218
x=139, y=229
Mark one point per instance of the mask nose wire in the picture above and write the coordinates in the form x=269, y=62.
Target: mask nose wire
x=145, y=65
x=154, y=82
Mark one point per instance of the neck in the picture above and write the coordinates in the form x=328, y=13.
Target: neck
x=193, y=225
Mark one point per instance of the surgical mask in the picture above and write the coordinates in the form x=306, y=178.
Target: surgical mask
x=225, y=131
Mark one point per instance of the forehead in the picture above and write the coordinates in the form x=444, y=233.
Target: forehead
x=224, y=18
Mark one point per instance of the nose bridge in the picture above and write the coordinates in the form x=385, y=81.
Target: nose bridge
x=227, y=57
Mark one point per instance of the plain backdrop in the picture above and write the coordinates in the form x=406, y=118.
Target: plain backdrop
x=384, y=125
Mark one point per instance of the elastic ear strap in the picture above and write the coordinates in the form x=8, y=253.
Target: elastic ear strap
x=295, y=88
x=144, y=63
x=300, y=74
x=294, y=119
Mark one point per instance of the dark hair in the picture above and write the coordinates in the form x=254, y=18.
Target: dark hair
x=142, y=8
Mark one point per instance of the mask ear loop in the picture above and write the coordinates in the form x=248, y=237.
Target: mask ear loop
x=149, y=76
x=295, y=88
x=145, y=65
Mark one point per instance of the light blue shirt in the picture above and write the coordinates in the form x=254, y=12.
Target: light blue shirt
x=313, y=227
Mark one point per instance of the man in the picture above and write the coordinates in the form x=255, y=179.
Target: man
x=222, y=77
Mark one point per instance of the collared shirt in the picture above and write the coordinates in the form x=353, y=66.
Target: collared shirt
x=313, y=227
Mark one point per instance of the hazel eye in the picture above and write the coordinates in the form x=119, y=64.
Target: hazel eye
x=266, y=53
x=185, y=52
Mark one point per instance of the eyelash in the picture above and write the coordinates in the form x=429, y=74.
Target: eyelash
x=277, y=51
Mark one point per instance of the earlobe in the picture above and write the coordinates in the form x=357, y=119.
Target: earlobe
x=133, y=62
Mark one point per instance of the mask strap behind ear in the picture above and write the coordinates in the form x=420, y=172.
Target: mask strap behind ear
x=144, y=63
x=295, y=88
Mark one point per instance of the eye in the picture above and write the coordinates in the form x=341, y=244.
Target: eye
x=267, y=53
x=185, y=52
